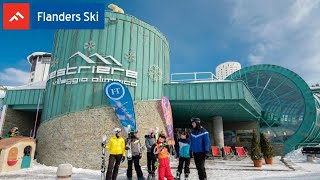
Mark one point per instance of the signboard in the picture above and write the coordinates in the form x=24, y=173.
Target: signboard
x=229, y=136
x=167, y=113
x=120, y=99
x=110, y=66
x=244, y=136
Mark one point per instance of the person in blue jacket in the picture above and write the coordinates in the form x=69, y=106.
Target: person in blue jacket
x=184, y=155
x=200, y=146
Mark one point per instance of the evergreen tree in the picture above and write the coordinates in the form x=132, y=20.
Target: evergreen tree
x=266, y=147
x=255, y=147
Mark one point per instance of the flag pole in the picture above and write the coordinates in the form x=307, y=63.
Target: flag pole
x=35, y=123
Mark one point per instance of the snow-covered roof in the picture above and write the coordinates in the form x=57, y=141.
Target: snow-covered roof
x=315, y=88
x=36, y=85
x=37, y=54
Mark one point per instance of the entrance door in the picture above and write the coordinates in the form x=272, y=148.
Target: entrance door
x=26, y=160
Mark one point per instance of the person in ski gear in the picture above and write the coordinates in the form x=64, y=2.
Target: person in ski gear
x=184, y=155
x=13, y=132
x=162, y=149
x=116, y=146
x=151, y=159
x=133, y=143
x=200, y=145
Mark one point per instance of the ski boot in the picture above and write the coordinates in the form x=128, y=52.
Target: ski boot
x=129, y=178
x=141, y=178
x=151, y=176
x=177, y=175
x=186, y=176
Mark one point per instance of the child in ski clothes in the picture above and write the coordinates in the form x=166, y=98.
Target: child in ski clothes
x=149, y=141
x=133, y=142
x=116, y=147
x=184, y=155
x=162, y=149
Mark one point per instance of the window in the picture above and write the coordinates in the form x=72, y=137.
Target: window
x=33, y=64
x=46, y=60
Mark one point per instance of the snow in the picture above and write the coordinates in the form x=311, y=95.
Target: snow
x=216, y=169
x=37, y=54
x=35, y=85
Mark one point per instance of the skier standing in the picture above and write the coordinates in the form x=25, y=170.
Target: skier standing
x=133, y=143
x=184, y=155
x=162, y=149
x=151, y=159
x=116, y=147
x=200, y=145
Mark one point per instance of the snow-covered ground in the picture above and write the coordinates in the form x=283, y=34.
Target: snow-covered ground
x=295, y=167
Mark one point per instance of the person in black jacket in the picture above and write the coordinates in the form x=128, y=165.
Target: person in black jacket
x=200, y=146
x=150, y=142
x=184, y=155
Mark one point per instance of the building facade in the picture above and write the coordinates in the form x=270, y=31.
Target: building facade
x=225, y=69
x=70, y=112
x=40, y=64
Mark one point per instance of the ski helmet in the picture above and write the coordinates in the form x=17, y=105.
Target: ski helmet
x=195, y=119
x=116, y=130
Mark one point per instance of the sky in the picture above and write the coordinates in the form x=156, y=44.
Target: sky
x=202, y=34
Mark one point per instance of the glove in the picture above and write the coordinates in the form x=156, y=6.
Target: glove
x=140, y=155
x=207, y=155
x=123, y=158
x=127, y=148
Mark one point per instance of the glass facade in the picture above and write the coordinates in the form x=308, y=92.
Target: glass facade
x=288, y=104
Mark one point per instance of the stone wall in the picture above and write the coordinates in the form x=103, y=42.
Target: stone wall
x=75, y=138
x=22, y=119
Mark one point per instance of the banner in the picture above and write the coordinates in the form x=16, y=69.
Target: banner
x=120, y=99
x=2, y=114
x=167, y=113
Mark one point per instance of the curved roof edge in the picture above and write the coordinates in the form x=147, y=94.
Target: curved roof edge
x=37, y=54
x=310, y=114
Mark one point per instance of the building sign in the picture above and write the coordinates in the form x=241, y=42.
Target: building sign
x=59, y=76
x=244, y=136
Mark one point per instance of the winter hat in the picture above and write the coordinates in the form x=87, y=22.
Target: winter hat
x=116, y=130
x=195, y=119
x=163, y=136
x=151, y=130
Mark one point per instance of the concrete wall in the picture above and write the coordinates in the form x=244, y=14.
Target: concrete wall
x=75, y=138
x=22, y=119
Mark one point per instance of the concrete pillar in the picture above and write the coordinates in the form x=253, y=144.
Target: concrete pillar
x=218, y=137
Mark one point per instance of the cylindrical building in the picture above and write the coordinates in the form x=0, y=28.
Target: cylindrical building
x=75, y=112
x=227, y=68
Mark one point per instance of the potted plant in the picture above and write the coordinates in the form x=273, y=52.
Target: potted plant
x=266, y=148
x=256, y=154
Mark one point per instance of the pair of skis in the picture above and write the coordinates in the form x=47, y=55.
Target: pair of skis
x=103, y=157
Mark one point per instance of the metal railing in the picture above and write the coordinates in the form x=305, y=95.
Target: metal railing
x=193, y=77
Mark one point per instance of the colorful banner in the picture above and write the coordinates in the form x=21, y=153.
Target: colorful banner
x=167, y=113
x=120, y=99
x=2, y=114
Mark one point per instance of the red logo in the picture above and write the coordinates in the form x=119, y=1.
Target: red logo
x=16, y=16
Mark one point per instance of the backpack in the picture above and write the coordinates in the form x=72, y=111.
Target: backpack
x=152, y=151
